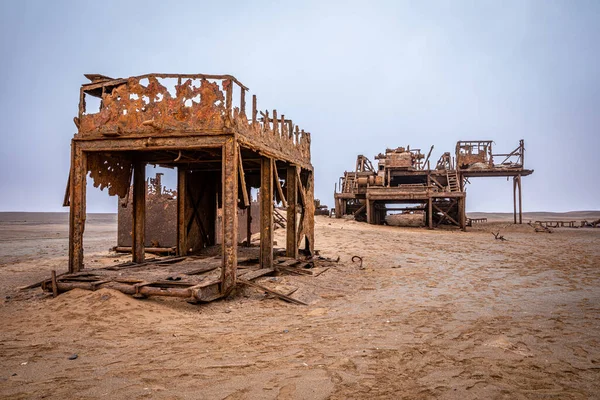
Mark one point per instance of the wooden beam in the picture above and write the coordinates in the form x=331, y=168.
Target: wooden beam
x=446, y=214
x=248, y=221
x=520, y=200
x=300, y=188
x=242, y=179
x=229, y=184
x=515, y=199
x=77, y=212
x=139, y=211
x=291, y=247
x=309, y=215
x=182, y=247
x=278, y=186
x=430, y=213
x=266, y=213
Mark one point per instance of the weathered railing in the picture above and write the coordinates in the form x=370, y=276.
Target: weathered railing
x=174, y=104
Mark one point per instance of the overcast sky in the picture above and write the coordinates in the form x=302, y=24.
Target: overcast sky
x=360, y=76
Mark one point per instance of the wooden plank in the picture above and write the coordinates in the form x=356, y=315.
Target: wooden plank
x=139, y=211
x=54, y=284
x=258, y=273
x=300, y=187
x=266, y=213
x=273, y=292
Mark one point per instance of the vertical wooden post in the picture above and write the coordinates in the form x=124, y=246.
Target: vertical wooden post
x=242, y=100
x=249, y=218
x=462, y=212
x=266, y=212
x=515, y=199
x=182, y=247
x=77, y=212
x=254, y=110
x=230, y=223
x=139, y=212
x=291, y=247
x=520, y=200
x=369, y=211
x=430, y=212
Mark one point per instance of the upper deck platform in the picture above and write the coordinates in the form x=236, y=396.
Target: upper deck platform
x=180, y=105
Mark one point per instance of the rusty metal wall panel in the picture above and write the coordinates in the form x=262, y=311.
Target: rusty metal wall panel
x=161, y=219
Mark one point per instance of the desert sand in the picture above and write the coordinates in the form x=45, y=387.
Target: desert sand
x=432, y=314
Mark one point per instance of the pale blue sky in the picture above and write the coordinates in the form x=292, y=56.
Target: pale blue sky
x=361, y=76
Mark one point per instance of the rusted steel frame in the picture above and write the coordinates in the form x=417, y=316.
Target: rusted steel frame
x=436, y=181
x=445, y=214
x=139, y=211
x=195, y=142
x=266, y=213
x=117, y=81
x=275, y=124
x=245, y=196
x=77, y=213
x=291, y=247
x=278, y=185
x=267, y=151
x=229, y=186
x=182, y=247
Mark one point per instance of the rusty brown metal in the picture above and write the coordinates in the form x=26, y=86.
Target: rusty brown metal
x=195, y=124
x=403, y=176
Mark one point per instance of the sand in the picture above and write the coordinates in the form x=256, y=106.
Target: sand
x=433, y=314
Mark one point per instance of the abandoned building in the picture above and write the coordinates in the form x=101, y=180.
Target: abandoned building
x=198, y=124
x=404, y=181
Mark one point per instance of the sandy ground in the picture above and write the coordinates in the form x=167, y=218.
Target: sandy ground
x=435, y=314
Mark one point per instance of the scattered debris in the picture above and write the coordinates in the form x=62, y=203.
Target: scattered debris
x=497, y=236
x=354, y=258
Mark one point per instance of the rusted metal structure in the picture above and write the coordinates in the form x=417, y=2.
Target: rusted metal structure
x=404, y=176
x=476, y=159
x=200, y=125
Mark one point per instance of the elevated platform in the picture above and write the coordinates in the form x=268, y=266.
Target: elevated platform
x=197, y=123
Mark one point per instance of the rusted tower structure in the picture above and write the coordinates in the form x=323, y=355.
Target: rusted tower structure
x=198, y=124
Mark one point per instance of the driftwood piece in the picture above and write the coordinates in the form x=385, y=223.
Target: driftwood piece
x=273, y=292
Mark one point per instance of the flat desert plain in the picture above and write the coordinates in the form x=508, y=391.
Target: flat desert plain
x=433, y=314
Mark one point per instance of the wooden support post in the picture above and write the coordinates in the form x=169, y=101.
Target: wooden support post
x=370, y=216
x=248, y=220
x=462, y=213
x=520, y=200
x=515, y=199
x=278, y=185
x=266, y=212
x=139, y=211
x=182, y=247
x=229, y=195
x=309, y=215
x=430, y=213
x=254, y=110
x=77, y=212
x=243, y=101
x=291, y=248
x=243, y=179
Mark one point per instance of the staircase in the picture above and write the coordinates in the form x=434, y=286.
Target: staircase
x=452, y=177
x=278, y=218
